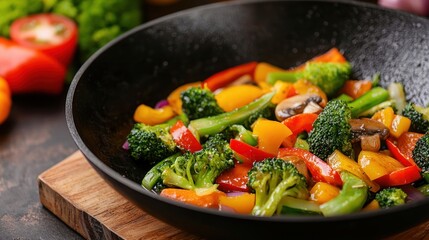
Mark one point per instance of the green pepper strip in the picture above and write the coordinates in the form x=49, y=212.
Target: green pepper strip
x=351, y=198
x=215, y=124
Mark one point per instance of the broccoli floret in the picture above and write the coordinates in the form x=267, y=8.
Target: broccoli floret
x=330, y=77
x=100, y=21
x=215, y=124
x=271, y=180
x=152, y=179
x=151, y=143
x=200, y=169
x=199, y=102
x=419, y=117
x=331, y=130
x=390, y=197
x=421, y=155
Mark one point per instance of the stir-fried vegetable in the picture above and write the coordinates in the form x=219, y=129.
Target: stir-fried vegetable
x=306, y=140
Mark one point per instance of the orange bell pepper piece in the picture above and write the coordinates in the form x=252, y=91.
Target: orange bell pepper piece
x=270, y=134
x=150, y=116
x=233, y=97
x=174, y=97
x=262, y=70
x=373, y=205
x=303, y=86
x=282, y=91
x=332, y=55
x=242, y=203
x=210, y=200
x=356, y=88
x=5, y=100
x=322, y=192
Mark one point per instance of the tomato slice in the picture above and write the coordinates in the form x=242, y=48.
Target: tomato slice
x=51, y=34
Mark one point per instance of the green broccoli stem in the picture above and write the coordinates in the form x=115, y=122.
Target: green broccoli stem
x=270, y=205
x=169, y=177
x=370, y=99
x=154, y=174
x=206, y=179
x=215, y=124
x=351, y=198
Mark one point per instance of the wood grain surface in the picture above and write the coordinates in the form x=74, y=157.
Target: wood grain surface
x=76, y=194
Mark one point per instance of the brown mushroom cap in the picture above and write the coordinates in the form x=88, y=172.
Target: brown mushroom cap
x=297, y=104
x=367, y=127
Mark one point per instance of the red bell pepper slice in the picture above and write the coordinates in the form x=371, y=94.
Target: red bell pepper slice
x=398, y=155
x=52, y=34
x=407, y=141
x=30, y=71
x=248, y=154
x=234, y=179
x=184, y=138
x=297, y=124
x=399, y=177
x=229, y=75
x=319, y=169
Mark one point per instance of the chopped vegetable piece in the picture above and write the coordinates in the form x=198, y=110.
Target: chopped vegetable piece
x=223, y=78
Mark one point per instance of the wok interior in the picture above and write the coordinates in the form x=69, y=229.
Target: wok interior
x=147, y=63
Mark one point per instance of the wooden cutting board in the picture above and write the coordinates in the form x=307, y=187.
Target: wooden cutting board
x=76, y=194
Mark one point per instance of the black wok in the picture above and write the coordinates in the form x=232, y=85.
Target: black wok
x=146, y=63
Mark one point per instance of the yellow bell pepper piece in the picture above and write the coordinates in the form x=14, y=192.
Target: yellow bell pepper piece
x=376, y=165
x=236, y=96
x=385, y=116
x=262, y=70
x=150, y=116
x=322, y=192
x=281, y=90
x=242, y=203
x=303, y=86
x=338, y=161
x=174, y=97
x=400, y=124
x=396, y=124
x=270, y=134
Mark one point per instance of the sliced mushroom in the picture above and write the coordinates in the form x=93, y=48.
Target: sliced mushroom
x=367, y=127
x=370, y=143
x=297, y=104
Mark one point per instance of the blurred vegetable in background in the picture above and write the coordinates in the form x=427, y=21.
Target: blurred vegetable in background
x=30, y=71
x=99, y=21
x=419, y=7
x=5, y=100
x=52, y=34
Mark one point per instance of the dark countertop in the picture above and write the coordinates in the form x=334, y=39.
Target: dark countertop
x=33, y=139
